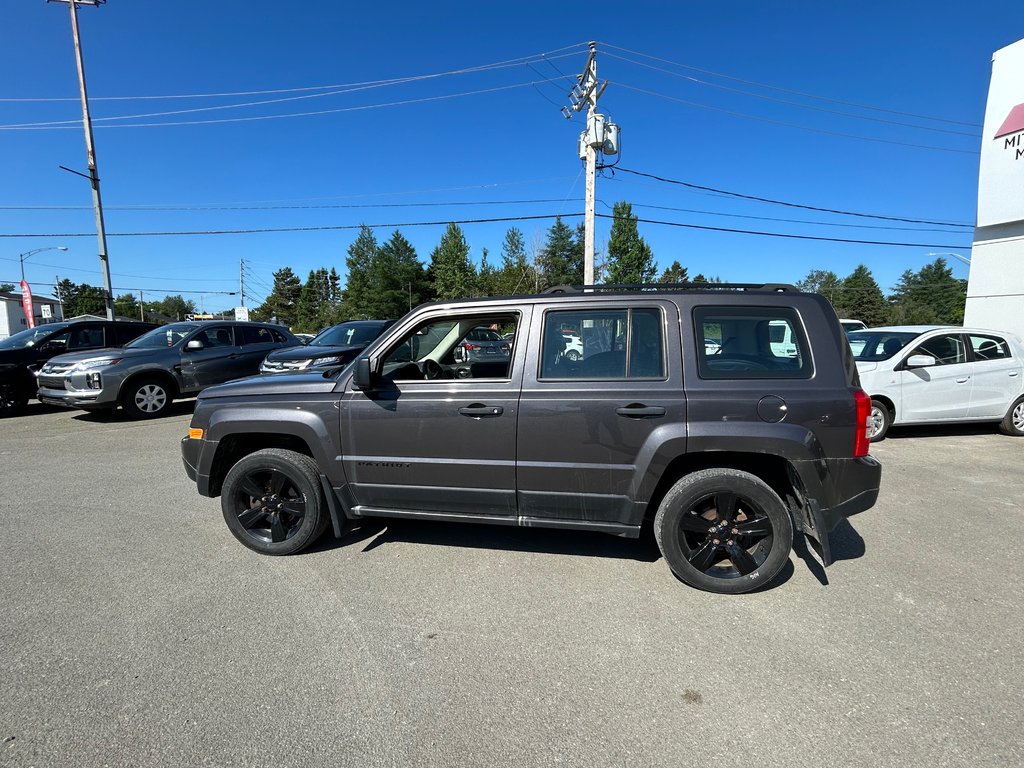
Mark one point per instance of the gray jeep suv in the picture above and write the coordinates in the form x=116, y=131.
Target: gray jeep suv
x=725, y=452
x=145, y=375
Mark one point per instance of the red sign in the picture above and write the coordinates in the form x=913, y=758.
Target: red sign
x=26, y=304
x=1014, y=122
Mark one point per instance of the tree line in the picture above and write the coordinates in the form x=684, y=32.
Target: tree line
x=385, y=280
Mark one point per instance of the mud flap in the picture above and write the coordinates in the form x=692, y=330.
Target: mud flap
x=815, y=530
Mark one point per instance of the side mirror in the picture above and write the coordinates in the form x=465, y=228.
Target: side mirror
x=194, y=346
x=362, y=376
x=920, y=361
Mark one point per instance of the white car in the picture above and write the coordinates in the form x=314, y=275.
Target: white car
x=852, y=325
x=919, y=374
x=573, y=346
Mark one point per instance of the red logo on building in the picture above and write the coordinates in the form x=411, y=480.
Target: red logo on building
x=1014, y=122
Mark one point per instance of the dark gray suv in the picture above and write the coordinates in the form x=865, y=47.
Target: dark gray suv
x=725, y=451
x=147, y=374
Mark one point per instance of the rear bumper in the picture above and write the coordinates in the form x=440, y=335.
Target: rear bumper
x=858, y=484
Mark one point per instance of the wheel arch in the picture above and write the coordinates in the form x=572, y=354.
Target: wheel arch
x=774, y=470
x=888, y=403
x=233, y=447
x=149, y=373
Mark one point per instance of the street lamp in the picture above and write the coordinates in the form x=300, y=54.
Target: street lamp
x=26, y=254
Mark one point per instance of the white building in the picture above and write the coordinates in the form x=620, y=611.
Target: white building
x=995, y=290
x=12, y=317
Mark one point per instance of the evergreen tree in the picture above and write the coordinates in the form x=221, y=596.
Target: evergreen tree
x=315, y=308
x=90, y=300
x=281, y=303
x=677, y=273
x=454, y=275
x=629, y=257
x=561, y=259
x=516, y=275
x=861, y=298
x=398, y=279
x=67, y=293
x=487, y=276
x=6, y=287
x=357, y=296
x=932, y=289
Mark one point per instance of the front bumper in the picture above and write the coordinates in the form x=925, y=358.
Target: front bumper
x=190, y=453
x=62, y=397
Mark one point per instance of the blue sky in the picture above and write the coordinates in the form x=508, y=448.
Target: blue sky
x=713, y=94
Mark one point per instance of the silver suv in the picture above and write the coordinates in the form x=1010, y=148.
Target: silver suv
x=176, y=360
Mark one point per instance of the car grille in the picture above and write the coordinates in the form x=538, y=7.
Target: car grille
x=284, y=365
x=51, y=375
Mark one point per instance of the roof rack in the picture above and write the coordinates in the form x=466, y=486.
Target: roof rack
x=659, y=287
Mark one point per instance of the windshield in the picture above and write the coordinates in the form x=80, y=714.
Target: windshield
x=167, y=336
x=879, y=345
x=347, y=335
x=30, y=337
x=484, y=334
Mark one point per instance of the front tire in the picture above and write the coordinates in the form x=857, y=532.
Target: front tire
x=879, y=421
x=273, y=503
x=1013, y=421
x=723, y=530
x=146, y=398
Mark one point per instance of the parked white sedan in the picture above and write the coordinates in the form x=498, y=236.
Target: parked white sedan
x=931, y=374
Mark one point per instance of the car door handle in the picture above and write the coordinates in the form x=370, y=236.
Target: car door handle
x=479, y=410
x=640, y=411
x=964, y=380
x=1013, y=373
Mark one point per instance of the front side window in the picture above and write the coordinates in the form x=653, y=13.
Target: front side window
x=215, y=337
x=989, y=347
x=947, y=349
x=605, y=344
x=255, y=334
x=750, y=343
x=453, y=347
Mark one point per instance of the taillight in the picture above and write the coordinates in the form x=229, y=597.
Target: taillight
x=467, y=345
x=862, y=405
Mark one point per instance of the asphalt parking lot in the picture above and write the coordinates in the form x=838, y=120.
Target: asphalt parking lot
x=134, y=631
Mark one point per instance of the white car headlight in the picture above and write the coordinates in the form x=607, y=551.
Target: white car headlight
x=325, y=360
x=88, y=365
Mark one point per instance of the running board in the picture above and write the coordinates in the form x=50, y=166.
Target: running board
x=615, y=529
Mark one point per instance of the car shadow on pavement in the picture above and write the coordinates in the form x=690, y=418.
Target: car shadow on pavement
x=942, y=430
x=380, y=532
x=114, y=416
x=846, y=544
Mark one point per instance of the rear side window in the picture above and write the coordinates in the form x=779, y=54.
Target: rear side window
x=255, y=334
x=989, y=347
x=604, y=344
x=751, y=343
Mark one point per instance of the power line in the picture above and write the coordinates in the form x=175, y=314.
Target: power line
x=346, y=206
x=337, y=227
x=148, y=290
x=524, y=60
x=784, y=234
x=755, y=198
x=974, y=134
x=404, y=102
x=783, y=123
x=792, y=91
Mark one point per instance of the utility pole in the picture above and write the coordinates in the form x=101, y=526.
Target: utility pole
x=94, y=179
x=56, y=291
x=142, y=308
x=241, y=280
x=600, y=135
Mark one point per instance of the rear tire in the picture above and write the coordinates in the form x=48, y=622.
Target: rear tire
x=724, y=530
x=1013, y=421
x=273, y=502
x=146, y=398
x=879, y=421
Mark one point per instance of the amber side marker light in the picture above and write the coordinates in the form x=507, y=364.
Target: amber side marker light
x=194, y=433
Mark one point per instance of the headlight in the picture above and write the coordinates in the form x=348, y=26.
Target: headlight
x=326, y=360
x=87, y=365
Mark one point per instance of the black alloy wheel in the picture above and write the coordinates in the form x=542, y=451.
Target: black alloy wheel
x=724, y=530
x=272, y=501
